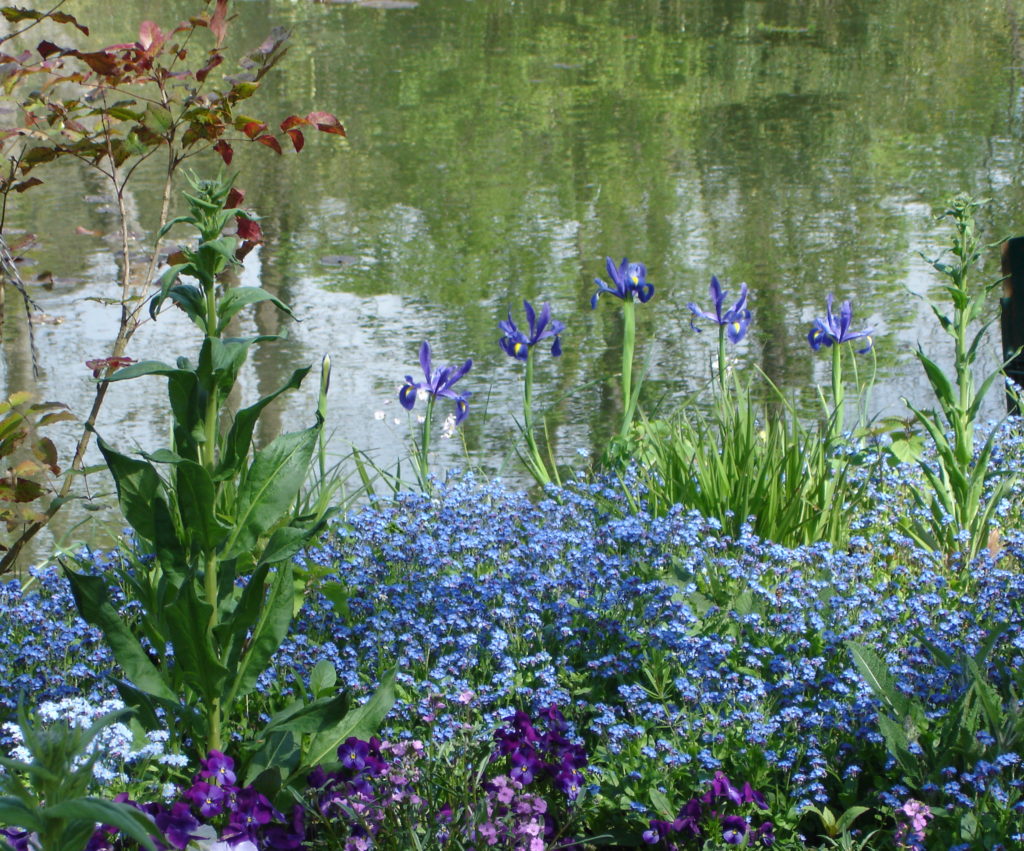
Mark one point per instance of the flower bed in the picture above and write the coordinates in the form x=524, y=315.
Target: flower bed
x=676, y=655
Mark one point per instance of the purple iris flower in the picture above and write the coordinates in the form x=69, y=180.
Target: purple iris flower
x=437, y=383
x=518, y=344
x=836, y=329
x=735, y=320
x=627, y=279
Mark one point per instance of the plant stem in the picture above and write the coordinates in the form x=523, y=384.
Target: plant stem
x=628, y=345
x=539, y=468
x=423, y=463
x=838, y=401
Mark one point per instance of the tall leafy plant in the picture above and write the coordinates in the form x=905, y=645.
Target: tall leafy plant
x=221, y=521
x=963, y=490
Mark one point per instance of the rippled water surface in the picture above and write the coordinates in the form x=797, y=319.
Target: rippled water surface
x=500, y=150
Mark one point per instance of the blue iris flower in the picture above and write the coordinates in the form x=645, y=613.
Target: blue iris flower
x=735, y=320
x=437, y=383
x=627, y=279
x=836, y=329
x=518, y=344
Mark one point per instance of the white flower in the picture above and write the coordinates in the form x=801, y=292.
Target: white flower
x=378, y=415
x=448, y=429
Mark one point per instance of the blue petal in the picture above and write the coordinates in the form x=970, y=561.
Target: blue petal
x=556, y=348
x=407, y=395
x=425, y=360
x=644, y=292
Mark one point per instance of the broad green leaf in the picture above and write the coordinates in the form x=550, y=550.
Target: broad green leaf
x=236, y=447
x=907, y=449
x=280, y=753
x=195, y=657
x=138, y=484
x=877, y=676
x=146, y=367
x=312, y=717
x=93, y=601
x=270, y=487
x=848, y=817
x=267, y=635
x=362, y=722
x=941, y=385
x=322, y=678
x=237, y=298
x=661, y=804
x=157, y=119
x=15, y=813
x=98, y=811
x=286, y=541
x=168, y=278
x=897, y=743
x=196, y=496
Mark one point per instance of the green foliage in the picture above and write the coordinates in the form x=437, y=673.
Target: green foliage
x=31, y=459
x=963, y=491
x=47, y=795
x=732, y=464
x=985, y=720
x=223, y=521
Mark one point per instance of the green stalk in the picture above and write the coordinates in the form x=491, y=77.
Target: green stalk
x=209, y=461
x=721, y=359
x=422, y=462
x=838, y=400
x=540, y=470
x=628, y=345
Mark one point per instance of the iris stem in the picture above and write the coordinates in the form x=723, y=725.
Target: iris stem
x=628, y=345
x=539, y=468
x=721, y=359
x=423, y=464
x=838, y=401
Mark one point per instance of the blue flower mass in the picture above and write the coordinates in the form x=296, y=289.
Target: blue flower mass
x=608, y=653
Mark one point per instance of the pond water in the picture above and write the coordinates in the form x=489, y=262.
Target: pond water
x=500, y=149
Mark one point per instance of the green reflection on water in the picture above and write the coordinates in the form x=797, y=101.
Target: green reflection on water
x=499, y=150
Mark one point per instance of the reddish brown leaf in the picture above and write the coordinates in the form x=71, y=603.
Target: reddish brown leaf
x=176, y=258
x=46, y=452
x=298, y=140
x=47, y=49
x=84, y=231
x=219, y=21
x=26, y=184
x=326, y=122
x=65, y=18
x=271, y=142
x=151, y=37
x=294, y=121
x=252, y=129
x=234, y=199
x=100, y=62
x=214, y=60
x=225, y=150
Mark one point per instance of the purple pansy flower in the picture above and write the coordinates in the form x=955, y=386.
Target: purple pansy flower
x=628, y=279
x=836, y=329
x=437, y=383
x=518, y=344
x=735, y=320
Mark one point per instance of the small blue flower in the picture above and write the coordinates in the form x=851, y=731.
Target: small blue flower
x=517, y=344
x=833, y=329
x=627, y=279
x=735, y=320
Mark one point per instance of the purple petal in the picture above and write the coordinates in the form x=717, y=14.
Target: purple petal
x=531, y=317
x=556, y=348
x=425, y=360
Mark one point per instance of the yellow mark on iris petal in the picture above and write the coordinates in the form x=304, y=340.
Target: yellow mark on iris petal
x=635, y=279
x=517, y=348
